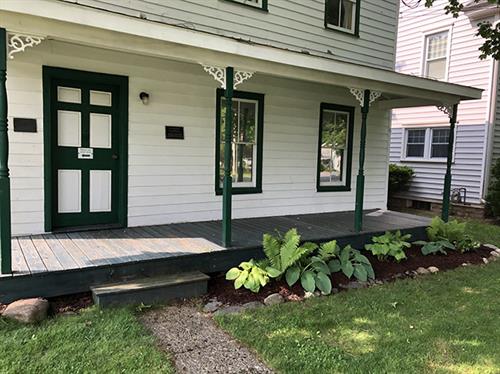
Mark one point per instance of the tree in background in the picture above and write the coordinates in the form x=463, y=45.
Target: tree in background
x=493, y=197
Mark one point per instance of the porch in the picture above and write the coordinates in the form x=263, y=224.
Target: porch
x=65, y=263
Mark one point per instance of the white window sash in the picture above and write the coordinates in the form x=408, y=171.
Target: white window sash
x=353, y=20
x=427, y=146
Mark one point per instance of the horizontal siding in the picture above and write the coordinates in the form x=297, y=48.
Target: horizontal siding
x=292, y=24
x=496, y=130
x=171, y=180
x=467, y=168
x=465, y=67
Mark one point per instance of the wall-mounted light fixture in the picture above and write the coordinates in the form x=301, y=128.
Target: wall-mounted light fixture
x=144, y=96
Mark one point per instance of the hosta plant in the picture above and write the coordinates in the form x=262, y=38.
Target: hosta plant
x=250, y=274
x=389, y=245
x=453, y=232
x=352, y=263
x=436, y=247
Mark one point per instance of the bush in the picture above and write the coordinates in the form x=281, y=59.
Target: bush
x=452, y=232
x=493, y=197
x=391, y=244
x=399, y=178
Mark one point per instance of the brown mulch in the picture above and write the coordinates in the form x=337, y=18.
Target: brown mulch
x=71, y=303
x=223, y=290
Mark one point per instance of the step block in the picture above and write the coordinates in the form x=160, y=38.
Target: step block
x=151, y=290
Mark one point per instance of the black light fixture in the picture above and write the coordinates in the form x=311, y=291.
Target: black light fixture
x=144, y=96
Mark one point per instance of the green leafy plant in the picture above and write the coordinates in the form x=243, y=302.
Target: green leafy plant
x=493, y=196
x=391, y=244
x=436, y=247
x=453, y=232
x=399, y=178
x=250, y=275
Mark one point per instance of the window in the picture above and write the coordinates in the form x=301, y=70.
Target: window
x=436, y=56
x=415, y=145
x=259, y=4
x=335, y=148
x=342, y=15
x=427, y=143
x=247, y=137
x=439, y=146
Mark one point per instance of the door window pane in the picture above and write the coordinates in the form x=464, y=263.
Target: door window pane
x=415, y=145
x=69, y=128
x=69, y=95
x=100, y=98
x=341, y=14
x=244, y=142
x=334, y=139
x=439, y=148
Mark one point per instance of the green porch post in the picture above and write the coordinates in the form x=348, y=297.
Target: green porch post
x=227, y=184
x=5, y=237
x=445, y=214
x=360, y=180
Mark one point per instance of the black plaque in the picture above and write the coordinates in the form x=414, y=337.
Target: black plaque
x=174, y=132
x=24, y=125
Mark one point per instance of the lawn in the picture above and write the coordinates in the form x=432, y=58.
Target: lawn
x=444, y=323
x=94, y=341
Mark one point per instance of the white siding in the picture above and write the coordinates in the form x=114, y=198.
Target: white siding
x=171, y=180
x=464, y=65
x=292, y=24
x=496, y=129
x=467, y=168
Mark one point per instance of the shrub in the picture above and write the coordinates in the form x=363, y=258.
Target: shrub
x=493, y=196
x=436, y=247
x=391, y=244
x=452, y=232
x=252, y=276
x=399, y=178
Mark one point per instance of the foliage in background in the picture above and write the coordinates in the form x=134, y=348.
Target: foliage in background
x=391, y=244
x=489, y=32
x=399, y=178
x=493, y=197
x=432, y=248
x=453, y=232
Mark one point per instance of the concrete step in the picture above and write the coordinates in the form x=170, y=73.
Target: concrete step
x=151, y=290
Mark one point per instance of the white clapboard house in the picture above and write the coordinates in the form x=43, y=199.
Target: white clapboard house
x=119, y=162
x=432, y=44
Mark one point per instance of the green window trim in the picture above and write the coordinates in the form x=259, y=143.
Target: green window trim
x=263, y=6
x=350, y=139
x=260, y=138
x=354, y=32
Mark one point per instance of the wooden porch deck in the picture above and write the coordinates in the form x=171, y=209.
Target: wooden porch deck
x=54, y=264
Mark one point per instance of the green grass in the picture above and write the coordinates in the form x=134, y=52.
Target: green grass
x=110, y=341
x=444, y=323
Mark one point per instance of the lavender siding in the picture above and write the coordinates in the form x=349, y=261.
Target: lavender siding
x=467, y=168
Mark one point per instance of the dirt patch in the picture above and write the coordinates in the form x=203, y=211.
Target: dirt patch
x=71, y=303
x=223, y=290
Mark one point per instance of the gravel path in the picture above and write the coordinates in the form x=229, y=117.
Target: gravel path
x=197, y=344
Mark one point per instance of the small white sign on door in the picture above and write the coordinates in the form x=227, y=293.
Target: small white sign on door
x=86, y=153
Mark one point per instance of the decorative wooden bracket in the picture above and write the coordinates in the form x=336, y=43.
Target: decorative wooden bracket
x=17, y=42
x=219, y=74
x=359, y=94
x=446, y=109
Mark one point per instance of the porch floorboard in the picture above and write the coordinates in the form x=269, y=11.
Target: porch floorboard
x=92, y=257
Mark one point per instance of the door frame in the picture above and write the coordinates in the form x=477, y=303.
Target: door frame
x=51, y=73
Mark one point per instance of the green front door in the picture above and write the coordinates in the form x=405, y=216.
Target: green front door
x=87, y=127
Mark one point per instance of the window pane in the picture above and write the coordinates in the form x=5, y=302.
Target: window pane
x=415, y=150
x=440, y=139
x=416, y=136
x=437, y=45
x=223, y=119
x=340, y=13
x=242, y=162
x=436, y=69
x=440, y=136
x=247, y=122
x=333, y=147
x=439, y=150
x=415, y=146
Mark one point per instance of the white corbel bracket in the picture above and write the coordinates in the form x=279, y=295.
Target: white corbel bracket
x=19, y=42
x=219, y=74
x=446, y=109
x=359, y=94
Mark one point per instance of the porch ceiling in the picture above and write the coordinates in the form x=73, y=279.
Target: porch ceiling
x=92, y=27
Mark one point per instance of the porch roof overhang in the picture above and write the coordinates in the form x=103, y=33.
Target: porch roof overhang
x=93, y=27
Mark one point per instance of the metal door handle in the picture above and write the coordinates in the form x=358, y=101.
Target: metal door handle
x=114, y=157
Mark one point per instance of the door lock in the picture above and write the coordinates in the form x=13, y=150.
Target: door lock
x=114, y=157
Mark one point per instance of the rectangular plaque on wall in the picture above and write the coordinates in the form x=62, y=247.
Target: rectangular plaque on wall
x=24, y=125
x=174, y=132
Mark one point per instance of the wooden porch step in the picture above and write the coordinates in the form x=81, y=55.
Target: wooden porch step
x=151, y=290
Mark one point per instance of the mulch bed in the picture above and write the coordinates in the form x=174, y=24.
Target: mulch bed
x=71, y=303
x=223, y=290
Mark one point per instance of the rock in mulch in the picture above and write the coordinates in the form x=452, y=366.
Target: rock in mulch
x=492, y=247
x=433, y=269
x=274, y=299
x=486, y=261
x=422, y=271
x=212, y=306
x=233, y=309
x=27, y=311
x=494, y=254
x=197, y=344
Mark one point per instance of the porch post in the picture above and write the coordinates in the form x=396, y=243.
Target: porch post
x=445, y=214
x=227, y=184
x=360, y=180
x=5, y=230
